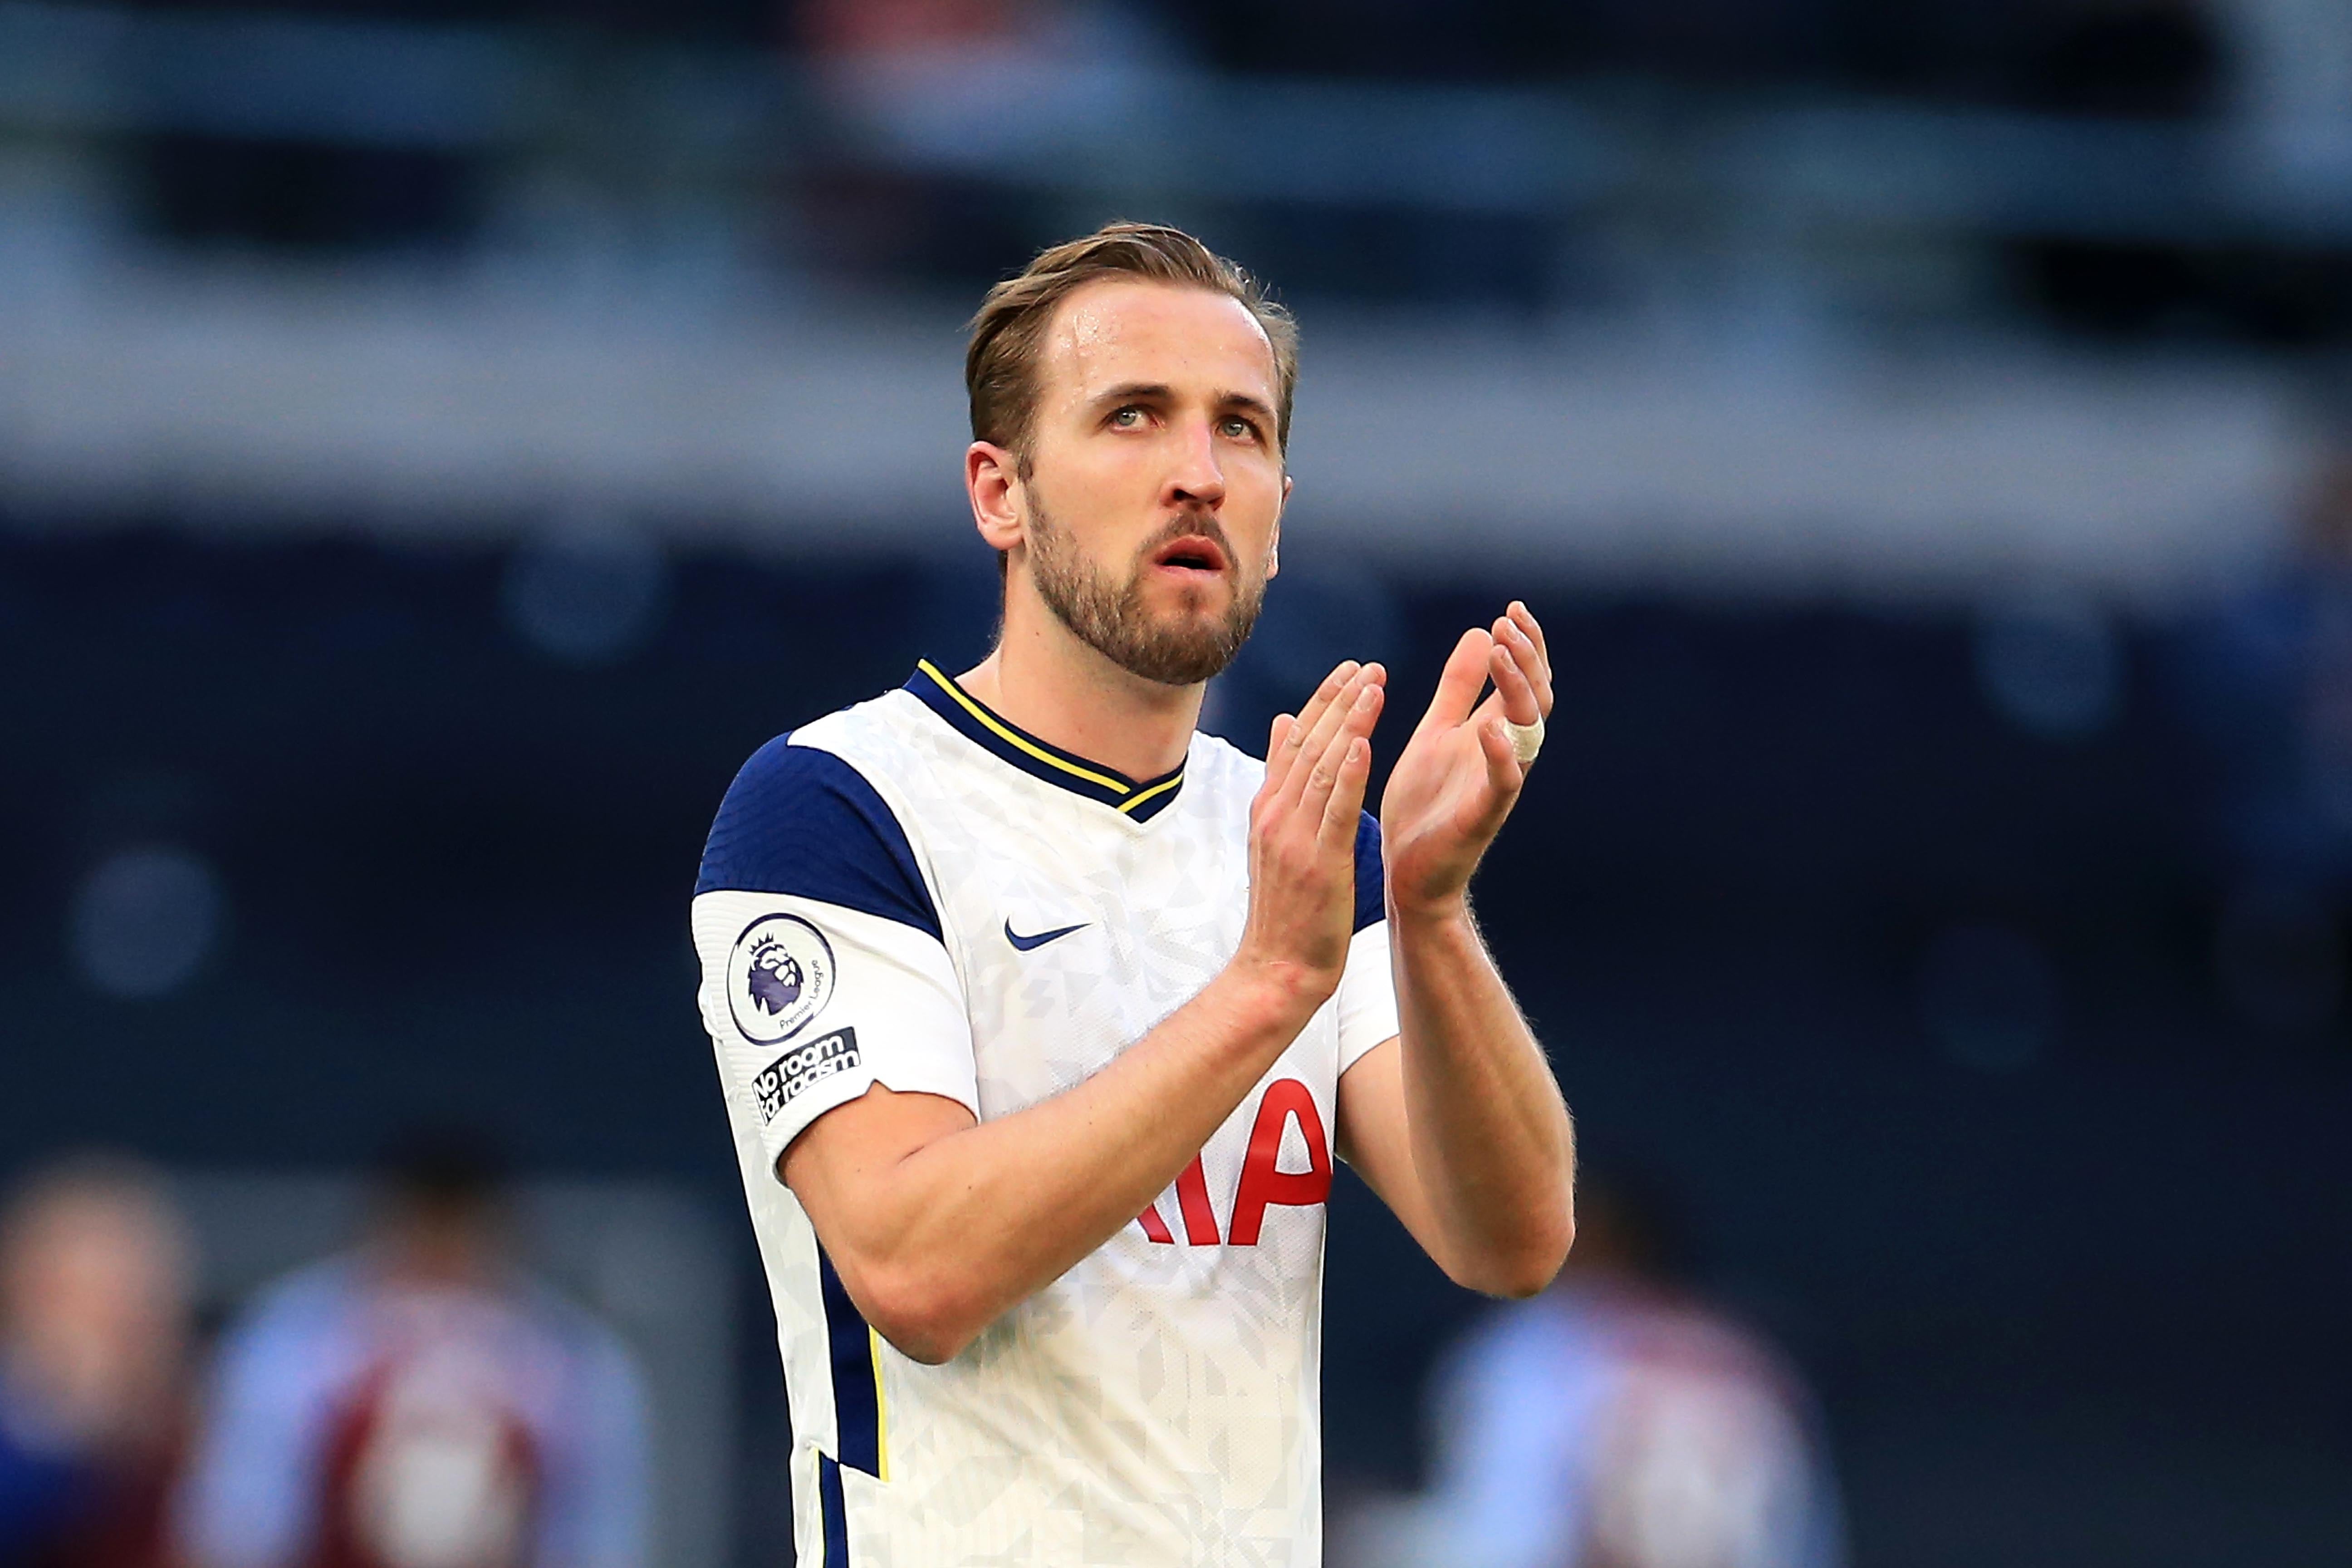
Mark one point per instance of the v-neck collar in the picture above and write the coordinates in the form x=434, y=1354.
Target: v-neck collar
x=1140, y=799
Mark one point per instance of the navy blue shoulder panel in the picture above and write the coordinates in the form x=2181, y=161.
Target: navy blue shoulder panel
x=799, y=820
x=1371, y=885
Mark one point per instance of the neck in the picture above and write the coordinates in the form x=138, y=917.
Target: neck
x=1043, y=679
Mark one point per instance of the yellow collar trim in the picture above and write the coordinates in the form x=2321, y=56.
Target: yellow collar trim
x=1022, y=743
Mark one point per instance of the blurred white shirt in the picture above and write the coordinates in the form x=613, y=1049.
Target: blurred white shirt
x=356, y=1419
x=1606, y=1427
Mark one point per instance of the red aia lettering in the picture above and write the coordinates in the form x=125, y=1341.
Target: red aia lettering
x=1193, y=1200
x=1262, y=1183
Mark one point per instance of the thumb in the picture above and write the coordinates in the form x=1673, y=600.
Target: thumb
x=1465, y=677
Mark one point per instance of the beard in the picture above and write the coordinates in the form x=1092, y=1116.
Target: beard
x=1183, y=649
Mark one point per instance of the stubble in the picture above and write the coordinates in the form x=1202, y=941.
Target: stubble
x=1110, y=616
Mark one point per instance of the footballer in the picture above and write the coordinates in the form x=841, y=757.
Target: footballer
x=1042, y=1016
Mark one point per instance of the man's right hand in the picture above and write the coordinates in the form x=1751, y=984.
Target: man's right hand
x=1302, y=848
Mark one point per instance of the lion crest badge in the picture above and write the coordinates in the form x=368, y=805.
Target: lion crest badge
x=779, y=978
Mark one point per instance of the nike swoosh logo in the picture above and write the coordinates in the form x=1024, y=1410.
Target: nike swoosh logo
x=1031, y=943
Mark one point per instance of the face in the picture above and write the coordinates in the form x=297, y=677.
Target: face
x=1152, y=495
x=93, y=1287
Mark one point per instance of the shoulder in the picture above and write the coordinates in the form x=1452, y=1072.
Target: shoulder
x=801, y=818
x=584, y=1341
x=313, y=1294
x=291, y=1330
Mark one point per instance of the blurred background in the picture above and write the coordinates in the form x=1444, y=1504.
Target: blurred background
x=440, y=439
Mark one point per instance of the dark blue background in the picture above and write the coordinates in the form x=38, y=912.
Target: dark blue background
x=2088, y=1311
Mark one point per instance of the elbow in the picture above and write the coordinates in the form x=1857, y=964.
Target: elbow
x=927, y=1344
x=923, y=1314
x=1525, y=1267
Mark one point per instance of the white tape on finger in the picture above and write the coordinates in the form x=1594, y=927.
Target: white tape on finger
x=1526, y=740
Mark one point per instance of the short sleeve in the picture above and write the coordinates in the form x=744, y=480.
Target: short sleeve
x=1368, y=1005
x=823, y=971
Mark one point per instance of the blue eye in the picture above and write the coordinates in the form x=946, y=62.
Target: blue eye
x=1126, y=416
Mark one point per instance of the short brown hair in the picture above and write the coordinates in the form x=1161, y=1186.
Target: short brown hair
x=999, y=366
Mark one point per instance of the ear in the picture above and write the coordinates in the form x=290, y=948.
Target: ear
x=991, y=479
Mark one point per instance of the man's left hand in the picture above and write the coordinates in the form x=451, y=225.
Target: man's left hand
x=1457, y=778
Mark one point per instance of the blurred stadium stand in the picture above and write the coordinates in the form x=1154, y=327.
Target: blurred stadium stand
x=439, y=442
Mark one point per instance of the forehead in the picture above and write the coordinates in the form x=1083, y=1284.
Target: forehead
x=1113, y=331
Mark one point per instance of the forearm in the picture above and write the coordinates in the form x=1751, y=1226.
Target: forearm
x=1493, y=1148
x=938, y=1224
x=952, y=1235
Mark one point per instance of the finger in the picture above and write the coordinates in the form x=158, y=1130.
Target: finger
x=1533, y=628
x=1285, y=751
x=1276, y=746
x=1280, y=756
x=1323, y=777
x=1530, y=660
x=1506, y=775
x=1345, y=809
x=1519, y=701
x=1464, y=678
x=1324, y=696
x=1333, y=718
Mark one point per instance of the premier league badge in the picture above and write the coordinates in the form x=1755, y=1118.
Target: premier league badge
x=779, y=977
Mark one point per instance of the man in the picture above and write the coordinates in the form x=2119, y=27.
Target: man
x=1040, y=1016
x=1619, y=1420
x=422, y=1404
x=96, y=1266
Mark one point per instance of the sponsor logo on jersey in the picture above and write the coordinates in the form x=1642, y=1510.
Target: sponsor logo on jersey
x=779, y=978
x=1264, y=1184
x=777, y=1084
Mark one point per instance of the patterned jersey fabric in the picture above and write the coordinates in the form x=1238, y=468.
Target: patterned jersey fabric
x=914, y=892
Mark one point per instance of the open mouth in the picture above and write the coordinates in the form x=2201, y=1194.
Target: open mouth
x=1192, y=552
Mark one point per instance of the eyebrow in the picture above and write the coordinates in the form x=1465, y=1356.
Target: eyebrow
x=1161, y=392
x=1133, y=392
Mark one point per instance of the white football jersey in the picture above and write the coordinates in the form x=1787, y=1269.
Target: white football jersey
x=914, y=892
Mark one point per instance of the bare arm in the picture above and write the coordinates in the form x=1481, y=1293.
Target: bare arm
x=1459, y=1124
x=938, y=1224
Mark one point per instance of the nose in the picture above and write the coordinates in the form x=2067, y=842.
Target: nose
x=1196, y=479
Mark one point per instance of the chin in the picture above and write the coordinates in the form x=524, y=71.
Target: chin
x=1192, y=623
x=1183, y=603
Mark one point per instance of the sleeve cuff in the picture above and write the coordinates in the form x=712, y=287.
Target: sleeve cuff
x=1368, y=1004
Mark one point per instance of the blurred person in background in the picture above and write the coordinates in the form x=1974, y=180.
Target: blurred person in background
x=1618, y=1421
x=2267, y=680
x=94, y=1277
x=420, y=1403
